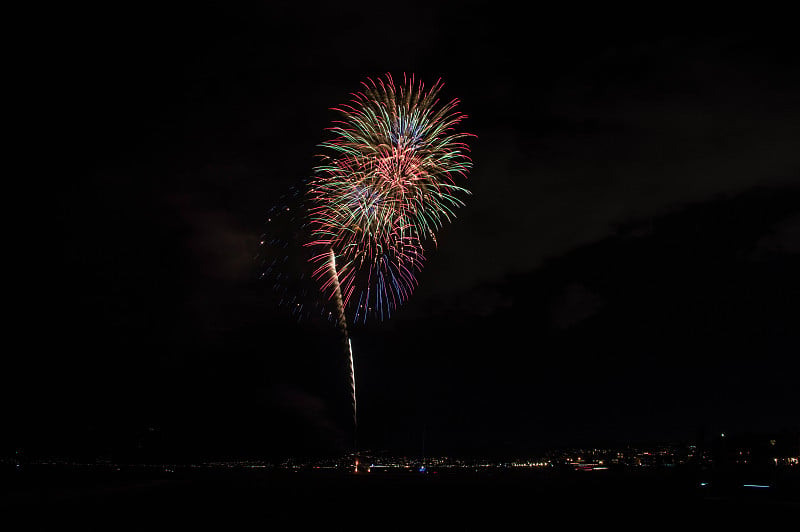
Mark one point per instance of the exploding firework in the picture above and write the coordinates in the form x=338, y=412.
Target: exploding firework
x=283, y=259
x=387, y=183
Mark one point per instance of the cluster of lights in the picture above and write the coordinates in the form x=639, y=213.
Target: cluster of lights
x=531, y=464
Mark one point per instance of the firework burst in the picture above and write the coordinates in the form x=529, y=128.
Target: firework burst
x=386, y=184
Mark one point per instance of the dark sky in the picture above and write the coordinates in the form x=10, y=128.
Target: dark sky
x=625, y=270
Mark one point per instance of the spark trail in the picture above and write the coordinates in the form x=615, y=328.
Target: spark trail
x=342, y=322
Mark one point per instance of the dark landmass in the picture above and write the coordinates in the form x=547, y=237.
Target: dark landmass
x=500, y=498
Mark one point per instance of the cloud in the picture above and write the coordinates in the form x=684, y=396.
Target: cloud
x=575, y=304
x=313, y=413
x=219, y=247
x=687, y=125
x=783, y=239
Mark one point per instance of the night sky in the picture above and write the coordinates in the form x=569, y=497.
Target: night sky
x=625, y=270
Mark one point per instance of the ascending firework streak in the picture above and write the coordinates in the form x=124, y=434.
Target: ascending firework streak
x=342, y=322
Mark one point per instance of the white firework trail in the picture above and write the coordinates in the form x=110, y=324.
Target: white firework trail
x=342, y=321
